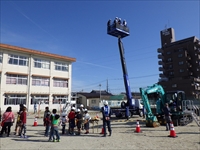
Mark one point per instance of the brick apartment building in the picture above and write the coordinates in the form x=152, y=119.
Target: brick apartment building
x=180, y=64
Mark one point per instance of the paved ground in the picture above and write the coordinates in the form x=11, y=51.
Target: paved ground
x=123, y=137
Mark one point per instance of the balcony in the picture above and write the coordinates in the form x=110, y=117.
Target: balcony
x=160, y=62
x=163, y=80
x=161, y=69
x=160, y=50
x=160, y=56
x=161, y=75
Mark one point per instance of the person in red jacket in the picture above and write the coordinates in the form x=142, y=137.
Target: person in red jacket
x=71, y=117
x=23, y=123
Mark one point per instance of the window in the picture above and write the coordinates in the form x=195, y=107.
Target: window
x=60, y=99
x=93, y=101
x=181, y=70
x=61, y=66
x=15, y=99
x=1, y=57
x=168, y=53
x=174, y=85
x=16, y=79
x=180, y=55
x=60, y=83
x=169, y=59
x=40, y=99
x=180, y=62
x=18, y=60
x=38, y=63
x=40, y=81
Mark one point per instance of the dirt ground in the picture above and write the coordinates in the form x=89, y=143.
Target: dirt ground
x=123, y=137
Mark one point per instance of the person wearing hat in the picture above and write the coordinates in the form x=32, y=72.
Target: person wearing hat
x=83, y=114
x=106, y=113
x=167, y=114
x=71, y=117
x=86, y=121
x=79, y=118
x=63, y=122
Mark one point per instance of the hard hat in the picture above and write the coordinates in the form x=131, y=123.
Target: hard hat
x=73, y=108
x=78, y=110
x=105, y=102
x=85, y=110
x=81, y=105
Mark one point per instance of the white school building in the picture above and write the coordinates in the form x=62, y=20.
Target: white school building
x=30, y=76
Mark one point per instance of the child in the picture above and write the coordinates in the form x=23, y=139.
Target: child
x=23, y=123
x=86, y=121
x=47, y=124
x=54, y=126
x=63, y=123
x=71, y=117
x=79, y=121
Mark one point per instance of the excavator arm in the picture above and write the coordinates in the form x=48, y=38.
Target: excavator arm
x=151, y=120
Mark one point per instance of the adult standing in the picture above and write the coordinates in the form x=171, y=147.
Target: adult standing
x=35, y=108
x=106, y=113
x=7, y=119
x=47, y=111
x=167, y=114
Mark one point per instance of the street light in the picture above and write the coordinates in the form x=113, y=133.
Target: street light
x=100, y=92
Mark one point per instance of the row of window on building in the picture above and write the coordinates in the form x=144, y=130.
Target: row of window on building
x=38, y=63
x=16, y=99
x=36, y=81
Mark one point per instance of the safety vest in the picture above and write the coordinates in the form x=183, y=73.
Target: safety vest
x=106, y=111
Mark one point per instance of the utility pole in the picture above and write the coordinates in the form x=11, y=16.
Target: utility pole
x=100, y=92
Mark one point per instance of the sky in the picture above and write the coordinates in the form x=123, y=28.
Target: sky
x=78, y=29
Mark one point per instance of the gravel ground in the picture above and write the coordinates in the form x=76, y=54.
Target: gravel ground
x=123, y=137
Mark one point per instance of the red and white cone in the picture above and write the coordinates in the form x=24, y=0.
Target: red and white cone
x=172, y=131
x=35, y=122
x=102, y=131
x=137, y=130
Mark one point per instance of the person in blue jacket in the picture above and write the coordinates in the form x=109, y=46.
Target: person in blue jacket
x=106, y=113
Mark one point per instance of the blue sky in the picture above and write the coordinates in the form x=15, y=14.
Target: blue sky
x=78, y=29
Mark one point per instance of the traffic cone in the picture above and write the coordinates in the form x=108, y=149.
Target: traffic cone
x=137, y=130
x=172, y=131
x=102, y=131
x=35, y=122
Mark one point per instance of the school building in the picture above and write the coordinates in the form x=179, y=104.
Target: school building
x=30, y=76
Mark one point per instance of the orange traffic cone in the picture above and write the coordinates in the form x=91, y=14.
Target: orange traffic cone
x=137, y=130
x=172, y=131
x=102, y=131
x=35, y=122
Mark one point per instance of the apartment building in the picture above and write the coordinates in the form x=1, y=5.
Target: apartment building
x=29, y=76
x=180, y=64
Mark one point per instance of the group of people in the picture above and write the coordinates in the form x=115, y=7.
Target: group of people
x=79, y=118
x=8, y=120
x=117, y=21
x=76, y=118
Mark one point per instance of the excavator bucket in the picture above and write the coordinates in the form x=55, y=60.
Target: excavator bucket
x=152, y=124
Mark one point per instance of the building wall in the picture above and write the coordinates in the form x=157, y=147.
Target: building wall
x=47, y=95
x=180, y=64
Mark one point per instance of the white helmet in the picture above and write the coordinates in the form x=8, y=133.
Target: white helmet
x=81, y=105
x=73, y=108
x=105, y=102
x=78, y=110
x=85, y=110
